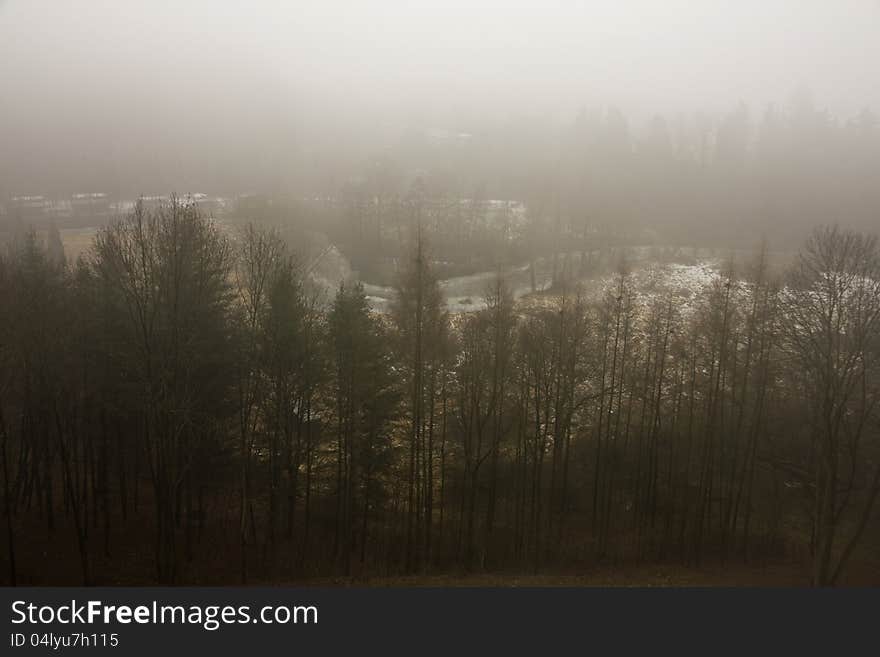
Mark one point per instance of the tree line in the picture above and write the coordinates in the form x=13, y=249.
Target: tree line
x=690, y=177
x=181, y=405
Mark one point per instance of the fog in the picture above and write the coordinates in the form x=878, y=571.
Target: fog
x=379, y=292
x=147, y=97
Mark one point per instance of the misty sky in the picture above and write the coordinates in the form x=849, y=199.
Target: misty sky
x=127, y=88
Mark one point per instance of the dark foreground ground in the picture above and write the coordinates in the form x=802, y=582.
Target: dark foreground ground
x=715, y=574
x=53, y=560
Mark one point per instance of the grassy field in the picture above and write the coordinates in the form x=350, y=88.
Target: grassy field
x=76, y=241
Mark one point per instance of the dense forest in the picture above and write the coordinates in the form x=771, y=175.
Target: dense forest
x=183, y=405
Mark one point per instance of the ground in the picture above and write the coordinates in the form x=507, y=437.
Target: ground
x=774, y=575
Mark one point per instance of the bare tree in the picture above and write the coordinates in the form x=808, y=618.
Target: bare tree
x=832, y=319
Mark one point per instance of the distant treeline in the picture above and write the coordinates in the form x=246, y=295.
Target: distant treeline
x=704, y=179
x=181, y=407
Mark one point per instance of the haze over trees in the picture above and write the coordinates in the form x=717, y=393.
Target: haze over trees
x=336, y=291
x=659, y=117
x=180, y=406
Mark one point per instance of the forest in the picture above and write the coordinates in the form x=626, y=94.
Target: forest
x=183, y=405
